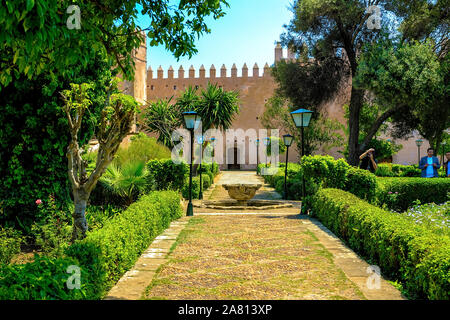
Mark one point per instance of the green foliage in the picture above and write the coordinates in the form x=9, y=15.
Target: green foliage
x=108, y=252
x=434, y=217
x=206, y=181
x=162, y=118
x=394, y=71
x=127, y=182
x=195, y=188
x=167, y=175
x=141, y=148
x=217, y=107
x=44, y=279
x=35, y=36
x=322, y=132
x=410, y=253
x=361, y=183
x=397, y=170
x=103, y=256
x=34, y=140
x=10, y=241
x=412, y=189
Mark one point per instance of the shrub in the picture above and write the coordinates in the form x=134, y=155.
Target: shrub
x=141, y=149
x=44, y=279
x=410, y=253
x=396, y=170
x=10, y=241
x=410, y=190
x=361, y=183
x=195, y=188
x=126, y=182
x=103, y=256
x=167, y=175
x=206, y=181
x=109, y=252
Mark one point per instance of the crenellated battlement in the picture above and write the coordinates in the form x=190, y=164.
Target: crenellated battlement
x=192, y=74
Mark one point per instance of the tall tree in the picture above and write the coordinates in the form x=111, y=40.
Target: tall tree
x=411, y=78
x=115, y=124
x=339, y=29
x=41, y=34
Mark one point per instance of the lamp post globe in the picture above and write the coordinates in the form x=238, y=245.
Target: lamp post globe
x=190, y=121
x=302, y=118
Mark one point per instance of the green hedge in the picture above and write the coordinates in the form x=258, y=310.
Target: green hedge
x=405, y=251
x=326, y=172
x=397, y=170
x=167, y=175
x=104, y=256
x=410, y=190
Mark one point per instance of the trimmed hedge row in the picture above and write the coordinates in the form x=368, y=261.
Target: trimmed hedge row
x=410, y=190
x=326, y=172
x=397, y=170
x=410, y=253
x=166, y=175
x=104, y=256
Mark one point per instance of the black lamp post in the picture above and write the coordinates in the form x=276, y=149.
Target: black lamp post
x=190, y=119
x=200, y=140
x=287, y=139
x=257, y=154
x=213, y=144
x=301, y=118
x=419, y=143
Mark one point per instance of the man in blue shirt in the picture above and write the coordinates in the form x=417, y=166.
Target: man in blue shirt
x=429, y=165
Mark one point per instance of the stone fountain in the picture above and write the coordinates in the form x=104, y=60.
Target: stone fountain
x=242, y=193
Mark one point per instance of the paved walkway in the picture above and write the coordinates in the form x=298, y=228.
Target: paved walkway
x=275, y=255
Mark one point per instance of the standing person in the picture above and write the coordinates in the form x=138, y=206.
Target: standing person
x=447, y=165
x=368, y=161
x=429, y=165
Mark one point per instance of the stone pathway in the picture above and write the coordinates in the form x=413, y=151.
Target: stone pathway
x=133, y=283
x=255, y=257
x=231, y=255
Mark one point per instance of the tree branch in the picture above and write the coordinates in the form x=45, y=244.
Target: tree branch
x=377, y=124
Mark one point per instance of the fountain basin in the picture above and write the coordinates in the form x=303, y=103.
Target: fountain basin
x=250, y=205
x=242, y=193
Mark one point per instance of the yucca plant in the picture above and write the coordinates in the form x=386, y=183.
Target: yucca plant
x=127, y=181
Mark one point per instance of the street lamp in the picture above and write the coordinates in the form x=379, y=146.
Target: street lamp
x=190, y=120
x=200, y=141
x=419, y=143
x=257, y=154
x=266, y=143
x=301, y=118
x=287, y=139
x=213, y=145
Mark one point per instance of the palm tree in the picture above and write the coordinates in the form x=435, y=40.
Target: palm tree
x=218, y=107
x=127, y=181
x=163, y=118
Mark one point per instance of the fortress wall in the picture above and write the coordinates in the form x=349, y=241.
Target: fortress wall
x=254, y=92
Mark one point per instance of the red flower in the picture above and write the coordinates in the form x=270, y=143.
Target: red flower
x=38, y=201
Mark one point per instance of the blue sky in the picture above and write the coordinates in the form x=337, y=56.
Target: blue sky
x=246, y=34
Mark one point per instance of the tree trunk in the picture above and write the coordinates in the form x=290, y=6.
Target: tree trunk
x=356, y=103
x=79, y=213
